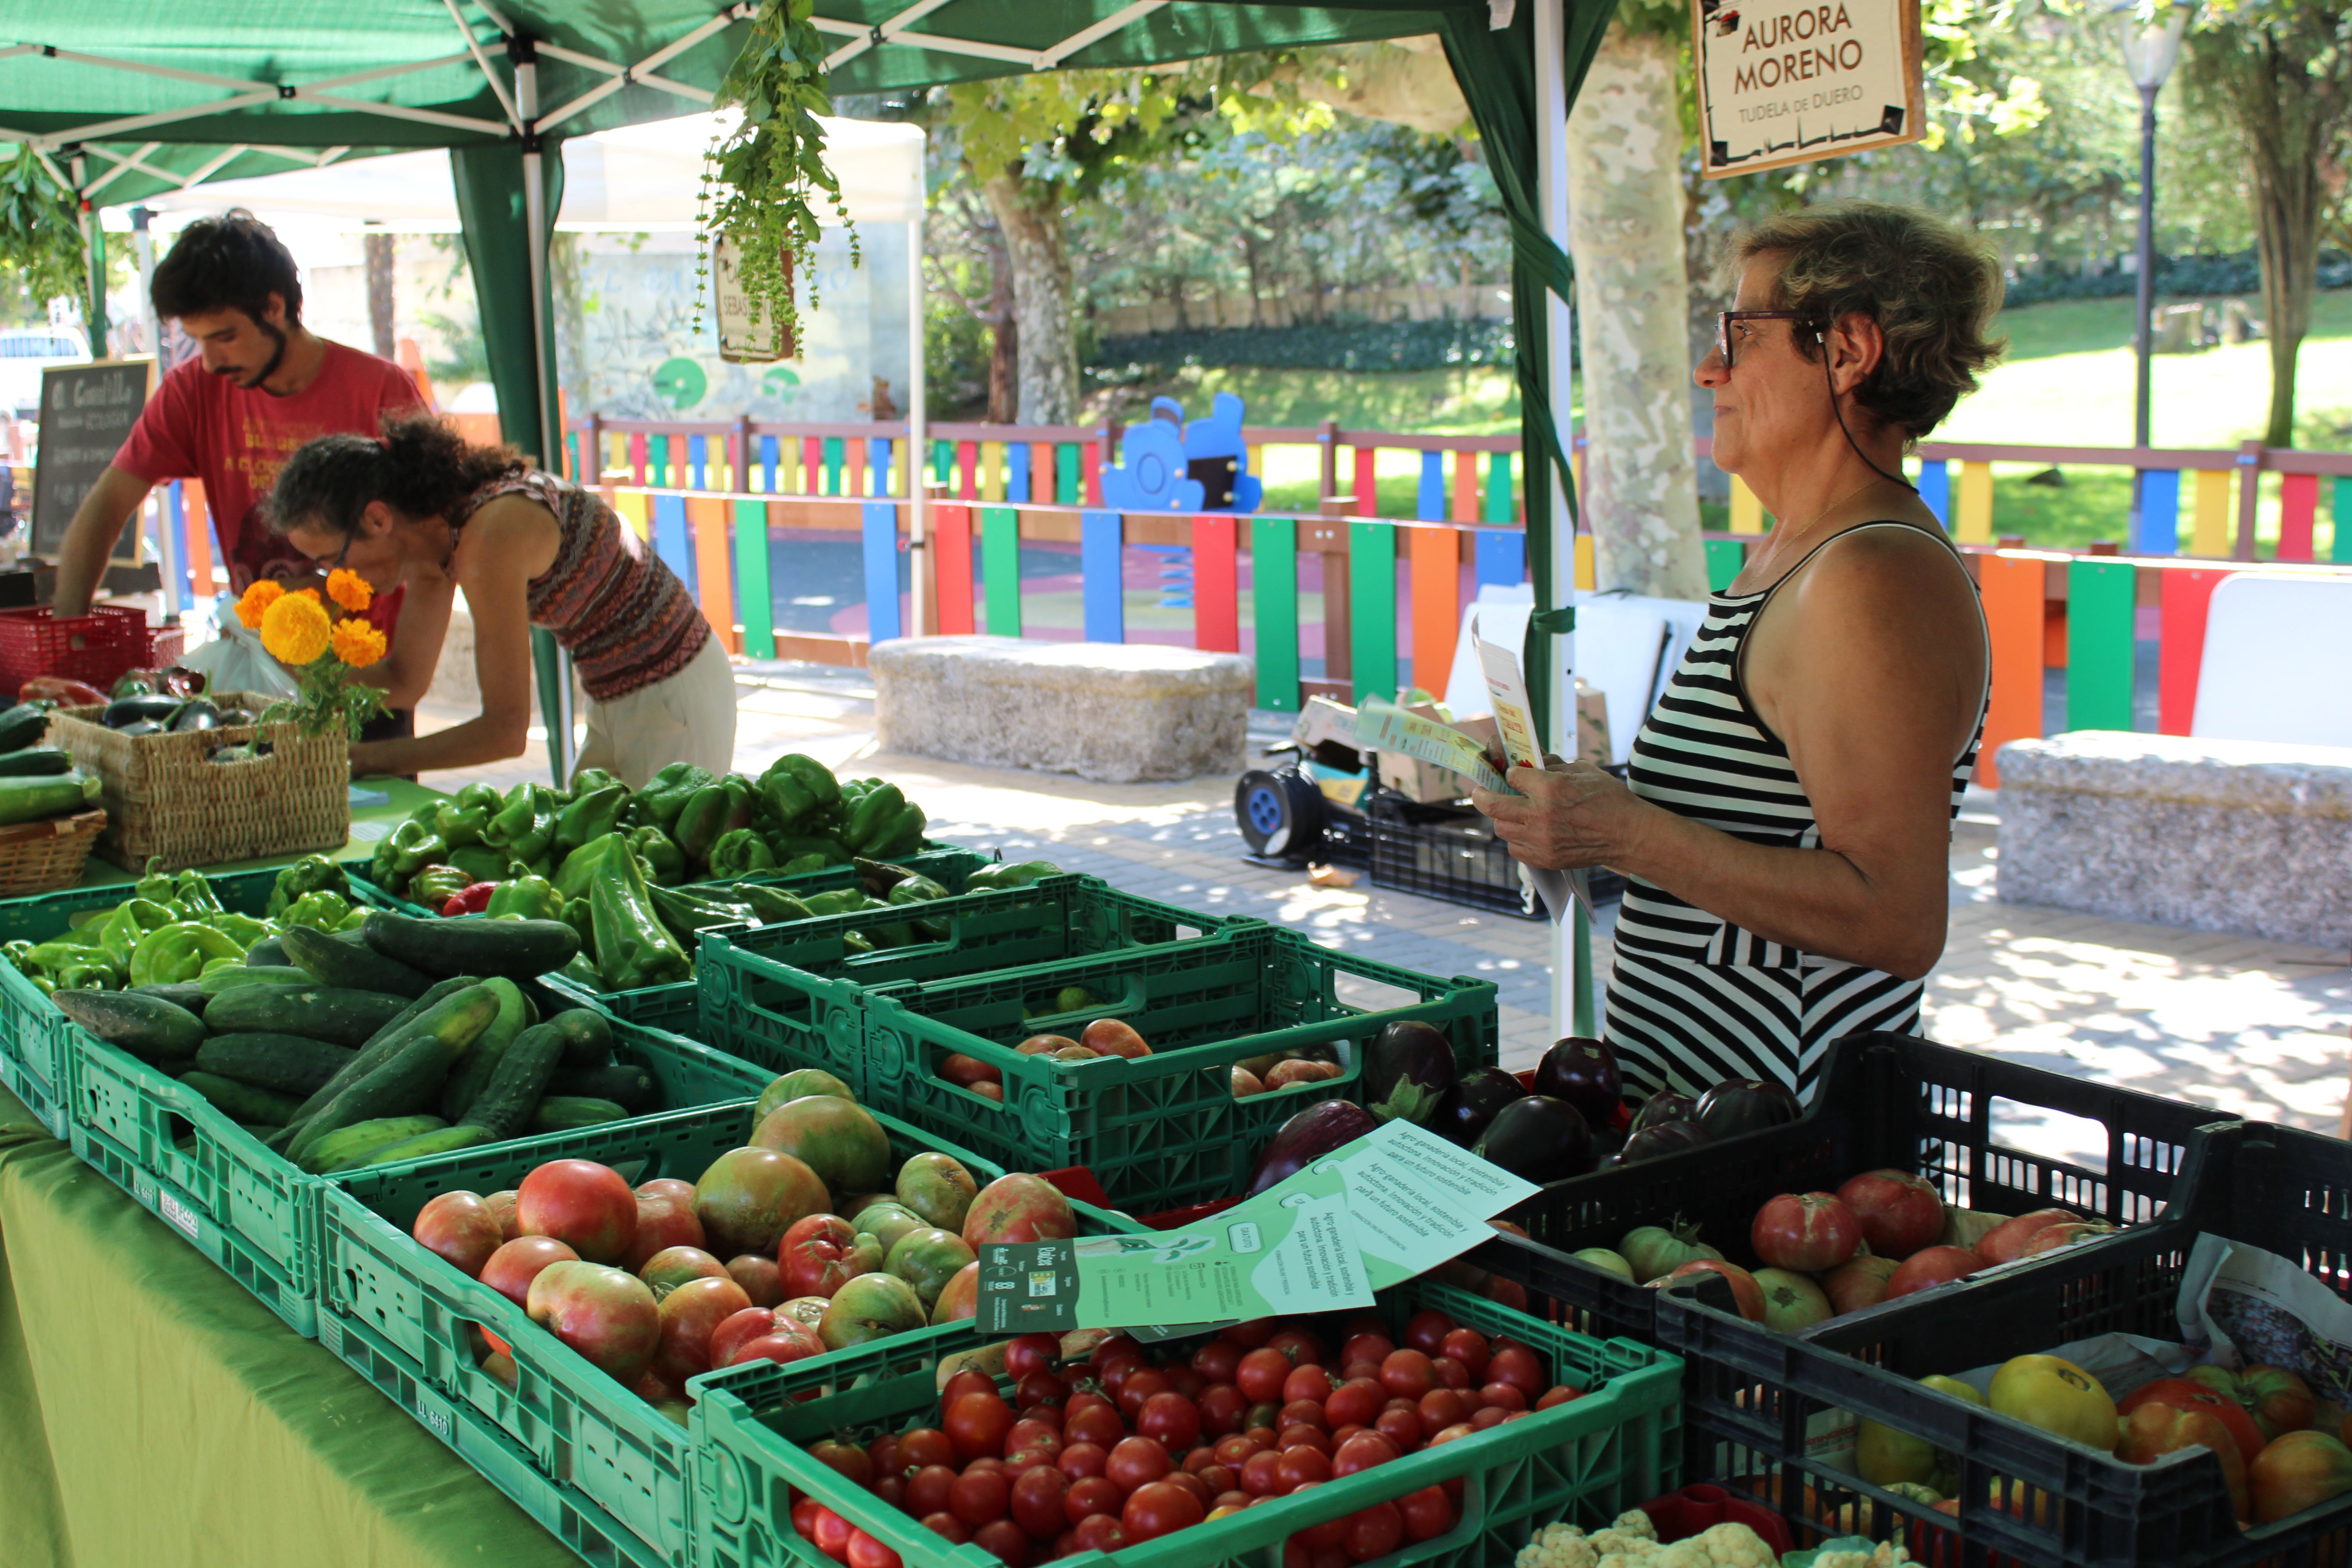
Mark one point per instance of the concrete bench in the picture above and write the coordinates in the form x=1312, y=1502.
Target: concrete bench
x=1116, y=713
x=2248, y=837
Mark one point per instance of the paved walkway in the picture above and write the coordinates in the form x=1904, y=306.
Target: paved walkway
x=2250, y=1027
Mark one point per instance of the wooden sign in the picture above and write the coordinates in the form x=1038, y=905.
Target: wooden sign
x=739, y=340
x=1788, y=81
x=87, y=413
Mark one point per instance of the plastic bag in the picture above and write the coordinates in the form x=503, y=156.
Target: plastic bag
x=235, y=660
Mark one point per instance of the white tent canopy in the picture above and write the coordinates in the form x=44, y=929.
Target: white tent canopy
x=638, y=179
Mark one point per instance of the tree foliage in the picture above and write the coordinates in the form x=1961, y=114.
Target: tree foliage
x=40, y=233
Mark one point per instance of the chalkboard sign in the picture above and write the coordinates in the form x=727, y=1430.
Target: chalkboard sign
x=87, y=412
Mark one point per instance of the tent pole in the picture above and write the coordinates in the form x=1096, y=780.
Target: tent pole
x=549, y=435
x=167, y=541
x=918, y=420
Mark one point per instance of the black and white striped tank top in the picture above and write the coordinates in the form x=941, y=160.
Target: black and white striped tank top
x=1692, y=999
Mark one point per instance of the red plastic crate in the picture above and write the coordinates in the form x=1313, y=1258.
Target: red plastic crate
x=96, y=648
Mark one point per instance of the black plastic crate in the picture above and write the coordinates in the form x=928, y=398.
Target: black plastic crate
x=1447, y=852
x=1884, y=1101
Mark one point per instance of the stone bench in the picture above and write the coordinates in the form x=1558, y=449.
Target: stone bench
x=2246, y=837
x=1115, y=712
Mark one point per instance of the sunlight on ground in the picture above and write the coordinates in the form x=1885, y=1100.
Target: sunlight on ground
x=2216, y=398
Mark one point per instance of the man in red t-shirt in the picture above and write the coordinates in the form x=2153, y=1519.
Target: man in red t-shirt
x=261, y=385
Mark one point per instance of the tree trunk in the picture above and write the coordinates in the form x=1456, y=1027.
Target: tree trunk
x=1029, y=212
x=1004, y=368
x=380, y=249
x=1632, y=299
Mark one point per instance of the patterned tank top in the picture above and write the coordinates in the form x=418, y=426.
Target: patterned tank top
x=1692, y=998
x=615, y=606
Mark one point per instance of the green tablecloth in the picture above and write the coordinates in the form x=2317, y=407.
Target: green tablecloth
x=152, y=1413
x=369, y=823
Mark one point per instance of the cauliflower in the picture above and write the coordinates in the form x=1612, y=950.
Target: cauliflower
x=1886, y=1555
x=1632, y=1541
x=1558, y=1546
x=1735, y=1546
x=1636, y=1523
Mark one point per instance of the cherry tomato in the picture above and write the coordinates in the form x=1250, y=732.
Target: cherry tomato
x=948, y=1526
x=1262, y=1375
x=1426, y=1333
x=1353, y=1370
x=924, y=1447
x=1261, y=1475
x=1251, y=1334
x=1300, y=1346
x=1303, y=1413
x=1402, y=1427
x=1091, y=1495
x=1032, y=1434
x=928, y=1490
x=1308, y=1383
x=1217, y=1360
x=977, y=1424
x=865, y=1552
x=1087, y=1399
x=1340, y=1436
x=1040, y=1388
x=1517, y=1366
x=1082, y=1459
x=1506, y=1396
x=1160, y=1510
x=1219, y=1479
x=985, y=1462
x=1451, y=1374
x=1198, y=1458
x=1458, y=1430
x=1222, y=1408
x=1045, y=1416
x=1301, y=1464
x=1099, y=1425
x=1427, y=1513
x=1193, y=1484
x=1169, y=1419
x=1468, y=1346
x=883, y=1454
x=1137, y=1462
x=1233, y=1450
x=803, y=1517
x=1183, y=1379
x=1031, y=1353
x=1303, y=1437
x=1487, y=1419
x=1025, y=1460
x=1363, y=1453
x=1377, y=1531
x=1356, y=1400
x=1374, y=1348
x=1100, y=1532
x=1440, y=1408
x=1113, y=1348
x=1113, y=1377
x=845, y=1458
x=978, y=1496
x=1037, y=1503
x=1234, y=1499
x=1260, y=1432
x=1139, y=1388
x=1004, y=1540
x=1323, y=1537
x=892, y=1490
x=1559, y=1394
x=832, y=1536
x=1407, y=1373
x=969, y=1380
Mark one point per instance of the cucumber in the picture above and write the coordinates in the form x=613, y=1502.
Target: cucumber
x=35, y=761
x=242, y=1102
x=380, y=1045
x=329, y=1012
x=481, y=1059
x=507, y=1101
x=454, y=1020
x=288, y=1064
x=519, y=950
x=147, y=1027
x=635, y=1090
x=441, y=992
x=587, y=1037
x=180, y=993
x=21, y=725
x=331, y=961
x=270, y=953
x=355, y=1144
x=568, y=1112
x=230, y=977
x=447, y=1141
x=29, y=800
x=411, y=1079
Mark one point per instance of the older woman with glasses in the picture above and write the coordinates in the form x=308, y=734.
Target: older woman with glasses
x=1785, y=827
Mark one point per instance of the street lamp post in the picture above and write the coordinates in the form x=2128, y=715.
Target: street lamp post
x=2151, y=42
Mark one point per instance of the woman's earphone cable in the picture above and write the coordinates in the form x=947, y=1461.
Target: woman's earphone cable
x=1821, y=340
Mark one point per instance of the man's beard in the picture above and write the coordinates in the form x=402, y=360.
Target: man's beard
x=277, y=358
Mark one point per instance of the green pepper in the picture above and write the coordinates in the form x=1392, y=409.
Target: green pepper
x=590, y=816
x=840, y=901
x=323, y=911
x=242, y=930
x=153, y=885
x=212, y=964
x=801, y=865
x=830, y=852
x=384, y=868
x=633, y=948
x=583, y=864
x=16, y=952
x=1009, y=874
x=169, y=955
x=660, y=852
x=915, y=890
x=796, y=787
x=525, y=826
x=480, y=861
x=415, y=847
x=134, y=919
x=353, y=921
x=666, y=792
x=871, y=816
x=196, y=896
x=460, y=824
x=88, y=977
x=714, y=813
x=686, y=914
x=50, y=957
x=313, y=873
x=433, y=885
x=581, y=918
x=528, y=899
x=772, y=905
x=854, y=943
x=741, y=853
x=587, y=781
x=582, y=968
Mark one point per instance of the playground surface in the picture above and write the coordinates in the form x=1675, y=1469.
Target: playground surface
x=2250, y=1027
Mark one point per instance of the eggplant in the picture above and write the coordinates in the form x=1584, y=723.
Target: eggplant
x=1407, y=1068
x=1583, y=1072
x=139, y=727
x=1306, y=1138
x=1538, y=1138
x=1464, y=1111
x=196, y=713
x=132, y=710
x=1667, y=1105
x=1664, y=1138
x=1746, y=1105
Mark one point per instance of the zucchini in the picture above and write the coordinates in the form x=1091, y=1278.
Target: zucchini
x=21, y=726
x=587, y=1037
x=147, y=1027
x=288, y=1064
x=568, y=1113
x=270, y=953
x=447, y=1141
x=331, y=961
x=507, y=1101
x=355, y=1144
x=329, y=1012
x=409, y=1080
x=519, y=950
x=29, y=800
x=242, y=1102
x=632, y=1089
x=230, y=976
x=481, y=1059
x=180, y=993
x=437, y=1009
x=35, y=761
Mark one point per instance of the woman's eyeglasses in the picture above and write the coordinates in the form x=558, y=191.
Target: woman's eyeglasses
x=1724, y=319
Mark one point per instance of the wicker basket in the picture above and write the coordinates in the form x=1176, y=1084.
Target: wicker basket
x=43, y=856
x=164, y=800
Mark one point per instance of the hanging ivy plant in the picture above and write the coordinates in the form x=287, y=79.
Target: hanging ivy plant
x=40, y=230
x=761, y=183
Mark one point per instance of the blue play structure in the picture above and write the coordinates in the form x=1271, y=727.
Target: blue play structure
x=1169, y=465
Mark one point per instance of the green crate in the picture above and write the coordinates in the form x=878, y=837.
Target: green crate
x=672, y=1007
x=582, y=1430
x=36, y=1057
x=1585, y=1462
x=1159, y=1130
x=251, y=1210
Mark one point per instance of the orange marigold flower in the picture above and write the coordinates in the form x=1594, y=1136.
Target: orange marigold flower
x=356, y=643
x=295, y=629
x=350, y=590
x=311, y=594
x=256, y=601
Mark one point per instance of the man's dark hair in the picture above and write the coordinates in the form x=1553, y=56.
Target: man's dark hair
x=234, y=261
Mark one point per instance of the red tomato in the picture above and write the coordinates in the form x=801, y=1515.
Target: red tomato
x=948, y=1526
x=803, y=1517
x=1087, y=1399
x=1449, y=1373
x=1193, y=1484
x=924, y=1446
x=1262, y=1375
x=928, y=1490
x=1170, y=1420
x=966, y=1381
x=1407, y=1373
x=1031, y=1353
x=1440, y=1408
x=1468, y=1346
x=1303, y=1413
x=1217, y=1361
x=1559, y=1396
x=1251, y=1334
x=1261, y=1475
x=1299, y=1465
x=1028, y=1433
x=1160, y=1510
x=832, y=1536
x=985, y=1462
x=1303, y=1437
x=845, y=1459
x=1183, y=1379
x=1040, y=1388
x=1091, y=1495
x=1222, y=1408
x=1427, y=1513
x=1458, y=1430
x=1113, y=1374
x=1139, y=1387
x=1261, y=1434
x=865, y=1552
x=1427, y=1334
x=1111, y=1348
x=1099, y=1425
x=1377, y=1531
x=1045, y=1416
x=977, y=1425
x=892, y=1490
x=1004, y=1540
x=1037, y=1503
x=1402, y=1427
x=586, y=1206
x=1341, y=1435
x=1100, y=1532
x=1356, y=1400
x=1218, y=1480
x=1308, y=1383
x=1374, y=1348
x=1233, y=1450
x=1082, y=1459
x=1137, y=1462
x=1488, y=1419
x=1362, y=1453
x=883, y=1453
x=1300, y=1346
x=1504, y=1396
x=1518, y=1366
